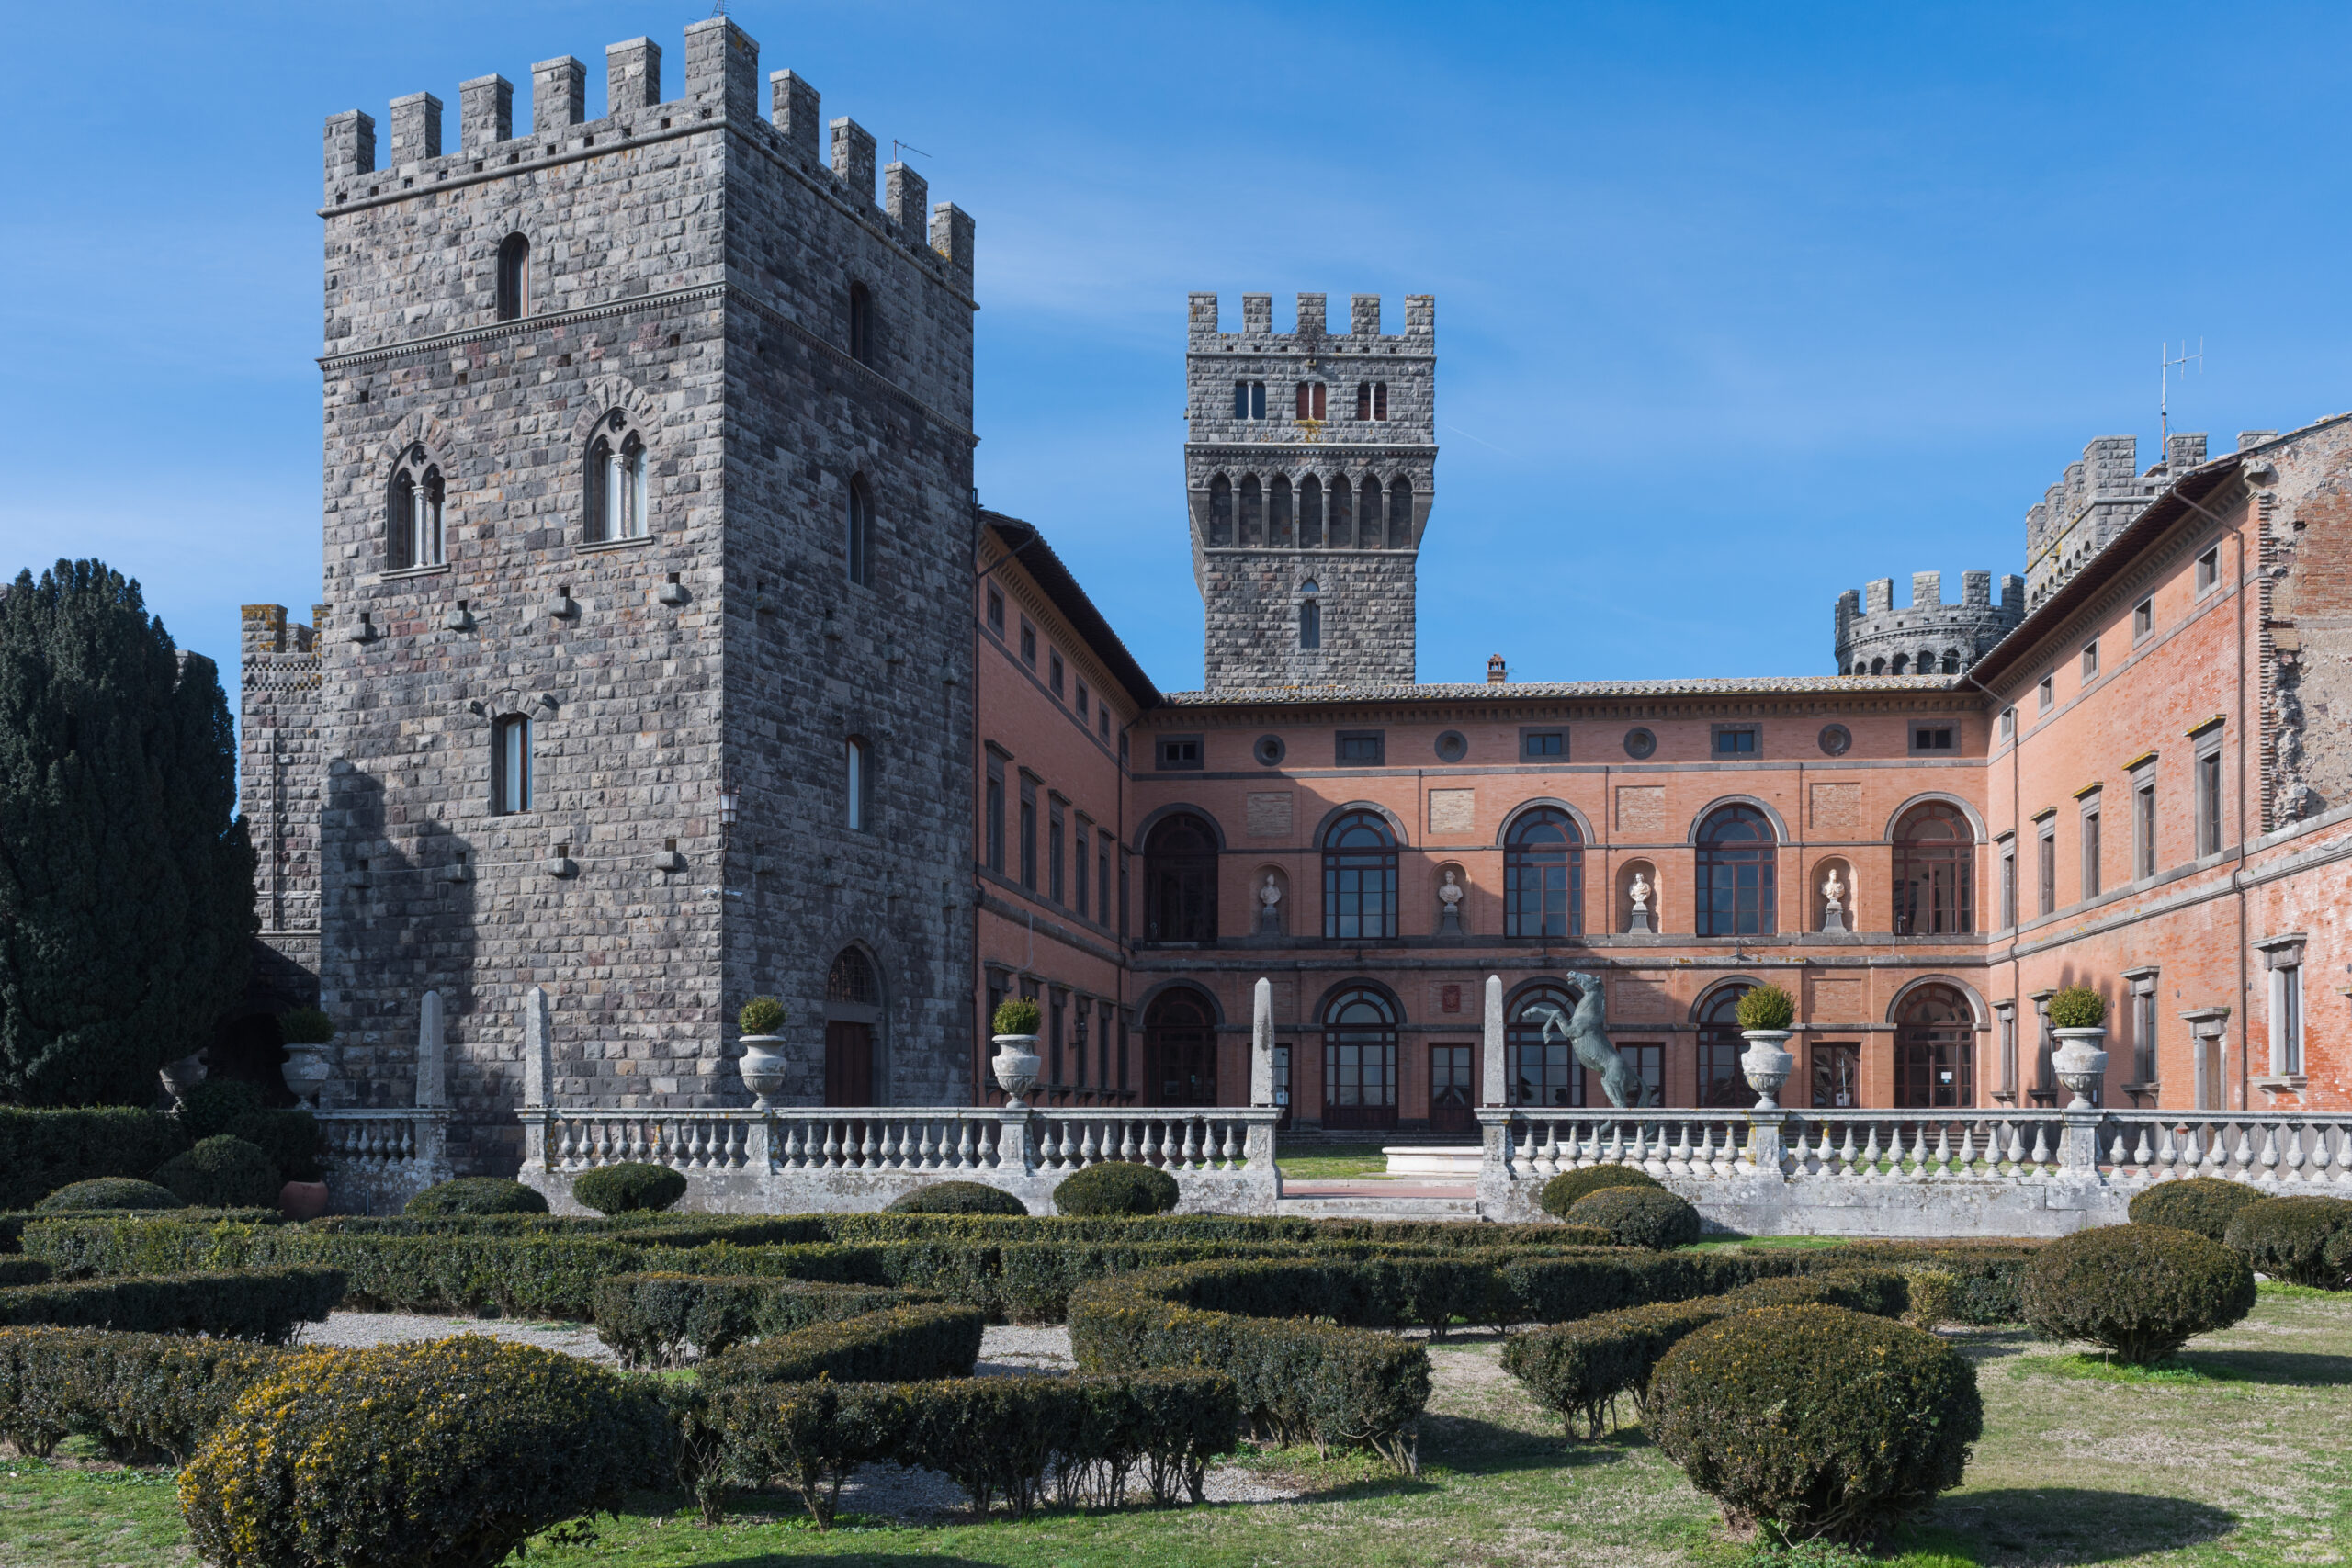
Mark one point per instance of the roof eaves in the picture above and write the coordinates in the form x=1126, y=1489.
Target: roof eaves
x=1025, y=542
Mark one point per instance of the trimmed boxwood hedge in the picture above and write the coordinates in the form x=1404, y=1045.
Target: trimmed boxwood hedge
x=2201, y=1203
x=145, y=1396
x=957, y=1198
x=478, y=1195
x=222, y=1172
x=24, y=1271
x=1815, y=1420
x=630, y=1187
x=2141, y=1292
x=899, y=1344
x=41, y=1151
x=1638, y=1216
x=264, y=1304
x=1116, y=1187
x=109, y=1192
x=2302, y=1241
x=650, y=1319
x=1562, y=1191
x=452, y=1452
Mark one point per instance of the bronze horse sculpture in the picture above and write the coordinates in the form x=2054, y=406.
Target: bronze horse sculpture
x=1582, y=1029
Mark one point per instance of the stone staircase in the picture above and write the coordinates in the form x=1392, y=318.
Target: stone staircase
x=1378, y=1201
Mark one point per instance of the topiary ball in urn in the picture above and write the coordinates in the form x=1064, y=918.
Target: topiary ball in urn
x=759, y=1026
x=2077, y=1016
x=1016, y=1024
x=1764, y=1015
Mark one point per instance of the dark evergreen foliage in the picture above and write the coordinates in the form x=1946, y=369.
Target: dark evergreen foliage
x=1116, y=1187
x=2302, y=1241
x=478, y=1195
x=125, y=881
x=958, y=1198
x=110, y=1192
x=2141, y=1292
x=1638, y=1216
x=222, y=1172
x=630, y=1187
x=1560, y=1193
x=2201, y=1203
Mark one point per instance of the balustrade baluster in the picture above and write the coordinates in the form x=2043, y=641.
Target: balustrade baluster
x=2321, y=1156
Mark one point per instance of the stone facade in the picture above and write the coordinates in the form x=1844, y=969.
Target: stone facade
x=280, y=771
x=2093, y=501
x=1310, y=469
x=1925, y=637
x=701, y=287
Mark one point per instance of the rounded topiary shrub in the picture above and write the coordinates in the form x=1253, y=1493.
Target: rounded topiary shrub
x=1765, y=1007
x=217, y=1106
x=2202, y=1203
x=2140, y=1292
x=450, y=1453
x=1017, y=1015
x=2077, y=1007
x=478, y=1195
x=760, y=1016
x=1638, y=1216
x=111, y=1192
x=961, y=1198
x=626, y=1187
x=1561, y=1193
x=1116, y=1187
x=1815, y=1420
x=2302, y=1241
x=222, y=1172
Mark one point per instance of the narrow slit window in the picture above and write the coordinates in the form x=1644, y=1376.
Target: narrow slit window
x=514, y=283
x=510, y=772
x=859, y=782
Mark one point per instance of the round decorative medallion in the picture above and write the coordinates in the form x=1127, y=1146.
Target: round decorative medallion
x=1269, y=749
x=1453, y=746
x=1836, y=740
x=1640, y=743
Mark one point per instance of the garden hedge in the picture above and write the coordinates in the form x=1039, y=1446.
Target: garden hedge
x=650, y=1319
x=2302, y=1241
x=24, y=1271
x=109, y=1192
x=479, y=1195
x=264, y=1304
x=1815, y=1420
x=2141, y=1292
x=1578, y=1370
x=1116, y=1187
x=1638, y=1216
x=222, y=1172
x=629, y=1188
x=451, y=1452
x=957, y=1198
x=41, y=1151
x=899, y=1344
x=1562, y=1191
x=2201, y=1203
x=145, y=1396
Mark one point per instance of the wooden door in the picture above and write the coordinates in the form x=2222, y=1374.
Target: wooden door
x=849, y=1063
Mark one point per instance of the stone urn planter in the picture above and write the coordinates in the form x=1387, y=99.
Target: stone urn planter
x=2081, y=1062
x=299, y=1201
x=762, y=1067
x=1016, y=1066
x=183, y=1075
x=1766, y=1062
x=306, y=1072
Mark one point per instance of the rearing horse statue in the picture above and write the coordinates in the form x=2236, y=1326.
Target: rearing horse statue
x=1582, y=1029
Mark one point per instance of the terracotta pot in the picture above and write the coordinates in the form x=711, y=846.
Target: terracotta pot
x=303, y=1199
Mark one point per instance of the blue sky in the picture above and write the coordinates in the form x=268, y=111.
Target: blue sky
x=1737, y=305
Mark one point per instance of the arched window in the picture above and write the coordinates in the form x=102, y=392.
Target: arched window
x=510, y=765
x=1543, y=876
x=1220, y=511
x=1952, y=662
x=613, y=486
x=1719, y=1043
x=1878, y=667
x=1360, y=878
x=859, y=543
x=1253, y=512
x=1360, y=1060
x=858, y=785
x=1368, y=516
x=1400, y=514
x=861, y=324
x=1372, y=400
x=1278, y=513
x=1310, y=616
x=1179, y=880
x=1314, y=399
x=1934, y=871
x=1901, y=659
x=412, y=524
x=1310, y=514
x=1737, y=852
x=1542, y=1072
x=1934, y=1050
x=514, y=277
x=852, y=1007
x=1343, y=514
x=1179, y=1049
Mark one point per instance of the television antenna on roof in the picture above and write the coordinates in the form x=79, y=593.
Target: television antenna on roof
x=2164, y=385
x=898, y=148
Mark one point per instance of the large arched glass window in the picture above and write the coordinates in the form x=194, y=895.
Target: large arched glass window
x=1721, y=1082
x=613, y=483
x=1935, y=1050
x=1737, y=850
x=1310, y=616
x=514, y=277
x=1360, y=878
x=1543, y=876
x=1542, y=1072
x=1220, y=511
x=1400, y=514
x=1934, y=871
x=1359, y=1059
x=859, y=523
x=413, y=523
x=1179, y=880
x=1179, y=1049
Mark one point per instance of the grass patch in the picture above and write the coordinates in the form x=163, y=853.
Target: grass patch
x=2099, y=1368
x=1331, y=1162
x=2279, y=1290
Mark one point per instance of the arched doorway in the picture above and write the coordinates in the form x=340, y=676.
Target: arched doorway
x=1179, y=880
x=852, y=1008
x=1359, y=1059
x=1179, y=1049
x=1721, y=1082
x=1935, y=1050
x=1935, y=864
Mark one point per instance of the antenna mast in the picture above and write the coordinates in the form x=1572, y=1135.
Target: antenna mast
x=2163, y=387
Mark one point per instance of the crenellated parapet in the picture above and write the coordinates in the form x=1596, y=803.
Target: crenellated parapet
x=1926, y=636
x=2092, y=502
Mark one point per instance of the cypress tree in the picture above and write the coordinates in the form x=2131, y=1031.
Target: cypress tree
x=126, y=879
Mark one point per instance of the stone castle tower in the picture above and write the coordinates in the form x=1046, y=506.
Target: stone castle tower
x=643, y=670
x=1310, y=469
x=1925, y=637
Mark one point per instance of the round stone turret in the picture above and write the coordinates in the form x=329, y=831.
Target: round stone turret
x=1925, y=637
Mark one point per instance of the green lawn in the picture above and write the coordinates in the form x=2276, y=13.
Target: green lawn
x=1330, y=1162
x=2234, y=1456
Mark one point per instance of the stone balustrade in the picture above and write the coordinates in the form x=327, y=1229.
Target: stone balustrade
x=380, y=1157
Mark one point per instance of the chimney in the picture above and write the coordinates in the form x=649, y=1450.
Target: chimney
x=1497, y=675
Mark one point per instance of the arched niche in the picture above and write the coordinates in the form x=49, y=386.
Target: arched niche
x=1270, y=919
x=1450, y=917
x=1622, y=905
x=1817, y=899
